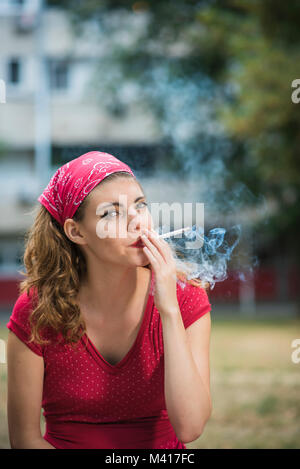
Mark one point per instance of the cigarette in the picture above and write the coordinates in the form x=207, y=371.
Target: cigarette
x=172, y=233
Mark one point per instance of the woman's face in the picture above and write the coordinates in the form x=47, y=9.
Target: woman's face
x=108, y=230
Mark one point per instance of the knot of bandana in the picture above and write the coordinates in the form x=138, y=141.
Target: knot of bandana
x=72, y=182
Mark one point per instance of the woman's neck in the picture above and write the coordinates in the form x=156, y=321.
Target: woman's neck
x=114, y=295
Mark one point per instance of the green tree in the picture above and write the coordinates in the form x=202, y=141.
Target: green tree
x=241, y=56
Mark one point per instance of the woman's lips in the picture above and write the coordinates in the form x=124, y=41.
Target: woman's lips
x=137, y=244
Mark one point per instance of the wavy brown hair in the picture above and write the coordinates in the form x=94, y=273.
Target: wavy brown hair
x=55, y=267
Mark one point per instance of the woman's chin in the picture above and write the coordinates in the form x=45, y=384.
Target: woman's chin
x=142, y=259
x=137, y=255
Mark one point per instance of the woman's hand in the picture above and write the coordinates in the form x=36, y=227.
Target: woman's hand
x=163, y=263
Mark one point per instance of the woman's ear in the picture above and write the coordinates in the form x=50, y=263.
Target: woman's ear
x=72, y=231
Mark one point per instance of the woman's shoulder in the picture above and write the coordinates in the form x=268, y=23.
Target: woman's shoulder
x=23, y=306
x=185, y=286
x=19, y=321
x=193, y=301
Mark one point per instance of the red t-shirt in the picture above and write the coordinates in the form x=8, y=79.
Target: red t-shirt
x=89, y=403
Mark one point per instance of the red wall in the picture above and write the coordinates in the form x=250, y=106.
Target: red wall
x=9, y=290
x=266, y=282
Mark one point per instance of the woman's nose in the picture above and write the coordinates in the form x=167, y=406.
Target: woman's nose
x=134, y=224
x=134, y=221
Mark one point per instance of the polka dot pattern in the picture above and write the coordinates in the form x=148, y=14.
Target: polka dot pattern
x=81, y=386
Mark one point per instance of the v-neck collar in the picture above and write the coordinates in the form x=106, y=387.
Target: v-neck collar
x=97, y=355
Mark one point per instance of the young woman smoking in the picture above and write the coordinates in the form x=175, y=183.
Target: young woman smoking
x=103, y=337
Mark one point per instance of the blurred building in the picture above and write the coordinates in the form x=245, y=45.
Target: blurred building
x=71, y=121
x=52, y=114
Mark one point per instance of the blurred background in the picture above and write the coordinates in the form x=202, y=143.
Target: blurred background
x=199, y=98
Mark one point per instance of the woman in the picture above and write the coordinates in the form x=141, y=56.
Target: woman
x=103, y=337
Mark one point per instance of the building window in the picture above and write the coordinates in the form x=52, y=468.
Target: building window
x=59, y=74
x=14, y=71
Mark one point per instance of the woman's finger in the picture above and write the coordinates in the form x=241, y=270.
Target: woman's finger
x=161, y=245
x=152, y=259
x=153, y=250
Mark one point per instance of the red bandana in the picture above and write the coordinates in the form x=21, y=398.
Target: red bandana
x=73, y=181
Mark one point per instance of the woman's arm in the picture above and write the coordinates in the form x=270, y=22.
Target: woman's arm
x=25, y=375
x=186, y=365
x=187, y=391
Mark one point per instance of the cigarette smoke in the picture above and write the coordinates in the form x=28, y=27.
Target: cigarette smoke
x=208, y=262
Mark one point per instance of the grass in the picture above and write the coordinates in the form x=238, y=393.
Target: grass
x=255, y=386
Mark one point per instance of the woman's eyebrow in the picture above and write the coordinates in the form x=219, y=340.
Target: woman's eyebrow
x=117, y=204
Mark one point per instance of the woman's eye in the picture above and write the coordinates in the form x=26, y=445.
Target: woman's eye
x=110, y=214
